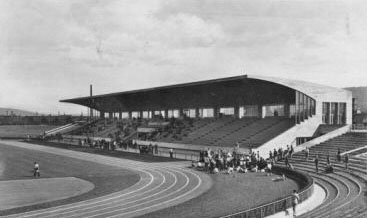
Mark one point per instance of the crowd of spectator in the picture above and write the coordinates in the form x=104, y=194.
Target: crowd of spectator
x=229, y=162
x=224, y=161
x=329, y=166
x=111, y=145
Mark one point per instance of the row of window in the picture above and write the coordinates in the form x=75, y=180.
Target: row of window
x=305, y=107
x=334, y=112
x=243, y=111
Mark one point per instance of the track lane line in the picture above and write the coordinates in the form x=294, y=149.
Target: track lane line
x=116, y=201
x=162, y=191
x=165, y=202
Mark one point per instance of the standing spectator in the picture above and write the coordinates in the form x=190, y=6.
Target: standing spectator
x=36, y=170
x=286, y=162
x=270, y=155
x=171, y=152
x=291, y=151
x=156, y=148
x=328, y=159
x=206, y=162
x=268, y=167
x=307, y=153
x=295, y=199
x=346, y=160
x=317, y=163
x=280, y=153
x=275, y=154
x=338, y=155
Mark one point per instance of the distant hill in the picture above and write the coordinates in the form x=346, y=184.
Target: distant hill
x=9, y=111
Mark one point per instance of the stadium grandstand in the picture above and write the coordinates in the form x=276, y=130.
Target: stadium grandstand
x=252, y=112
x=297, y=134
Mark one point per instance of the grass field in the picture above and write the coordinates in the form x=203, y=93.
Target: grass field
x=16, y=163
x=21, y=131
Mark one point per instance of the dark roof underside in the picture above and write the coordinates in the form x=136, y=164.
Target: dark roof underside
x=212, y=93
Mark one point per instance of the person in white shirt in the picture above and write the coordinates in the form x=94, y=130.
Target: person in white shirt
x=171, y=153
x=268, y=168
x=36, y=170
x=295, y=200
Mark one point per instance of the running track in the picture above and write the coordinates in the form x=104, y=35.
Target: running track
x=161, y=185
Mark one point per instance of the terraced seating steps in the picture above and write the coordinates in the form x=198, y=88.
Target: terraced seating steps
x=226, y=131
x=344, y=187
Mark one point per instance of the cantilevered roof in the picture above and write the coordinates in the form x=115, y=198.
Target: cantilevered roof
x=314, y=90
x=238, y=90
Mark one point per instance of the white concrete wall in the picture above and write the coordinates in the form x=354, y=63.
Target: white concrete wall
x=350, y=111
x=343, y=96
x=304, y=129
x=76, y=137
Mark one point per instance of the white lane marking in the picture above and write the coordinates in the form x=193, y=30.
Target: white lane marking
x=351, y=200
x=82, y=203
x=165, y=202
x=117, y=200
x=162, y=191
x=153, y=200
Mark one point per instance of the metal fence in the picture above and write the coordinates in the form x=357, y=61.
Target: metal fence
x=183, y=154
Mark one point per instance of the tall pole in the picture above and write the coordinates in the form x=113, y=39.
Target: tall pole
x=90, y=102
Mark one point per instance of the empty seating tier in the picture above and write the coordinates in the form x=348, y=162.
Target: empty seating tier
x=227, y=131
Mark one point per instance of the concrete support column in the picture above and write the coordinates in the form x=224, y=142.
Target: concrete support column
x=197, y=112
x=110, y=115
x=330, y=113
x=130, y=115
x=180, y=113
x=216, y=112
x=101, y=114
x=298, y=110
x=287, y=110
x=260, y=110
x=237, y=112
x=120, y=115
x=337, y=119
x=305, y=106
x=166, y=113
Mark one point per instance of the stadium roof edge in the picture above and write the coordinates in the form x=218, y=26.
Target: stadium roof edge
x=312, y=89
x=161, y=87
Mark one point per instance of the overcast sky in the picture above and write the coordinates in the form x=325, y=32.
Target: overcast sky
x=53, y=49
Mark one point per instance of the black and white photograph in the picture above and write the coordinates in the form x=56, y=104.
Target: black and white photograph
x=183, y=108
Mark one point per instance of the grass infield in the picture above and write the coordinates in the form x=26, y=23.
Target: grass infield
x=17, y=164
